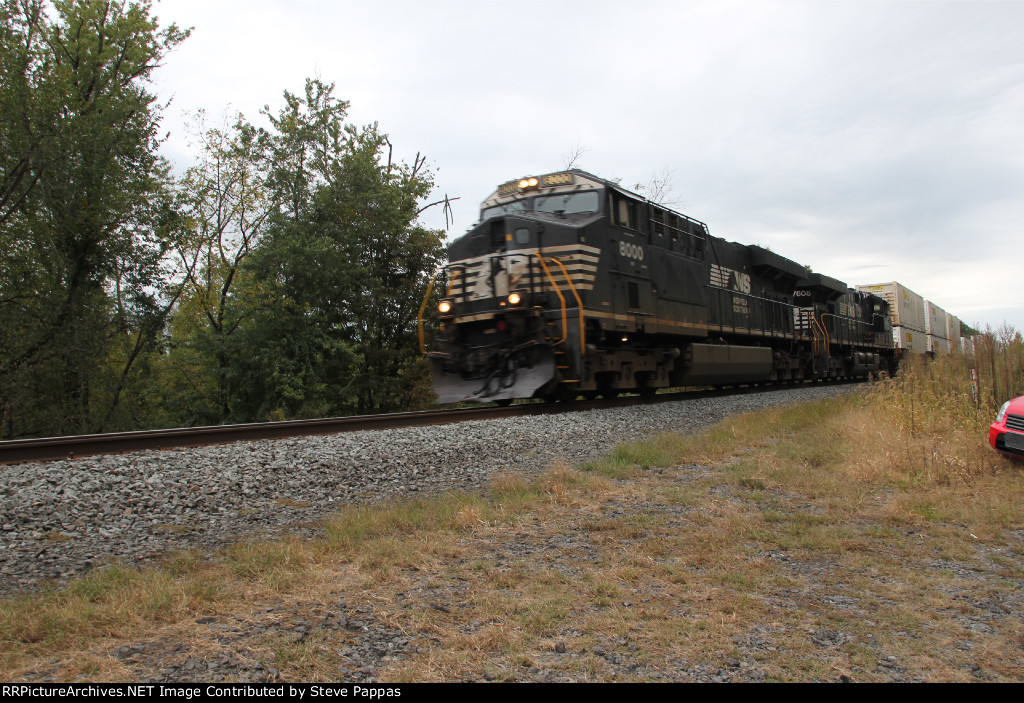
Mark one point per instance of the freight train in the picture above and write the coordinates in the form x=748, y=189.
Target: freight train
x=571, y=285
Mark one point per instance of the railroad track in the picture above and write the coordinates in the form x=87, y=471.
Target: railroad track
x=71, y=447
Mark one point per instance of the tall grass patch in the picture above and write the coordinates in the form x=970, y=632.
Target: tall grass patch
x=929, y=424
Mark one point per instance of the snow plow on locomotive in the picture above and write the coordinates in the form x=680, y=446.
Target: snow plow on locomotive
x=571, y=285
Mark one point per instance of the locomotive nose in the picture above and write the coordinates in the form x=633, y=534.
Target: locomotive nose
x=489, y=377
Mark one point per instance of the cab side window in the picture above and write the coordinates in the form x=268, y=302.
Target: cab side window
x=629, y=213
x=623, y=214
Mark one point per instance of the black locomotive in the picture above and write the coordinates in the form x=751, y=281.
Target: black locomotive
x=571, y=285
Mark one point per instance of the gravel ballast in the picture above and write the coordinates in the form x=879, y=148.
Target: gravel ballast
x=62, y=518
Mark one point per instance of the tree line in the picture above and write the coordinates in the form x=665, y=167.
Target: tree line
x=278, y=277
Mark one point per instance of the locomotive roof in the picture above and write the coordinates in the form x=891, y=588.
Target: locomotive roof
x=555, y=182
x=766, y=259
x=568, y=181
x=823, y=282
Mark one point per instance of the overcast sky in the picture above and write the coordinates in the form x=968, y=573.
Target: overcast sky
x=873, y=141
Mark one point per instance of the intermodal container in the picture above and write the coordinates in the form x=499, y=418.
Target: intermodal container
x=910, y=340
x=905, y=306
x=953, y=331
x=935, y=322
x=935, y=325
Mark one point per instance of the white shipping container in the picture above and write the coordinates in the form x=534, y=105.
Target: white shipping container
x=910, y=340
x=905, y=306
x=953, y=330
x=937, y=345
x=935, y=322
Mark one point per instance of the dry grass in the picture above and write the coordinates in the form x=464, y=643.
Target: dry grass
x=807, y=543
x=926, y=426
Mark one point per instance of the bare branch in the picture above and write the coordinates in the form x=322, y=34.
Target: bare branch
x=571, y=158
x=417, y=163
x=659, y=189
x=447, y=209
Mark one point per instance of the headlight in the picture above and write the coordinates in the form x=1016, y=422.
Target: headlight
x=444, y=307
x=527, y=183
x=1002, y=411
x=514, y=299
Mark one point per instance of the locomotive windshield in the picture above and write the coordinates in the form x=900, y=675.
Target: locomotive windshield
x=513, y=206
x=567, y=204
x=586, y=202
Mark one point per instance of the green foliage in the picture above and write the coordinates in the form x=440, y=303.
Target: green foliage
x=303, y=269
x=279, y=278
x=343, y=267
x=84, y=216
x=225, y=205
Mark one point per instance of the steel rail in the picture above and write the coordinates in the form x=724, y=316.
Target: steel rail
x=71, y=447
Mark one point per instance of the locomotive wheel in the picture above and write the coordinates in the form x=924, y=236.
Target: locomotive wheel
x=562, y=393
x=565, y=393
x=643, y=385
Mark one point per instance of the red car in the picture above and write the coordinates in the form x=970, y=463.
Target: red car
x=1006, y=434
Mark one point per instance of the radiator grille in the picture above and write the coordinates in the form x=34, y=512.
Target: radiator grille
x=1015, y=422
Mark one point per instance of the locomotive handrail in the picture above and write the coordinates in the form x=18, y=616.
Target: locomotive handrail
x=825, y=337
x=835, y=328
x=423, y=306
x=426, y=297
x=561, y=298
x=579, y=303
x=805, y=315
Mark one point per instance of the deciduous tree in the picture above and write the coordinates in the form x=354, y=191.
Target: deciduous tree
x=82, y=219
x=347, y=252
x=225, y=203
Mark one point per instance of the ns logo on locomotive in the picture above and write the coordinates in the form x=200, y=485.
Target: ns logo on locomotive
x=571, y=285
